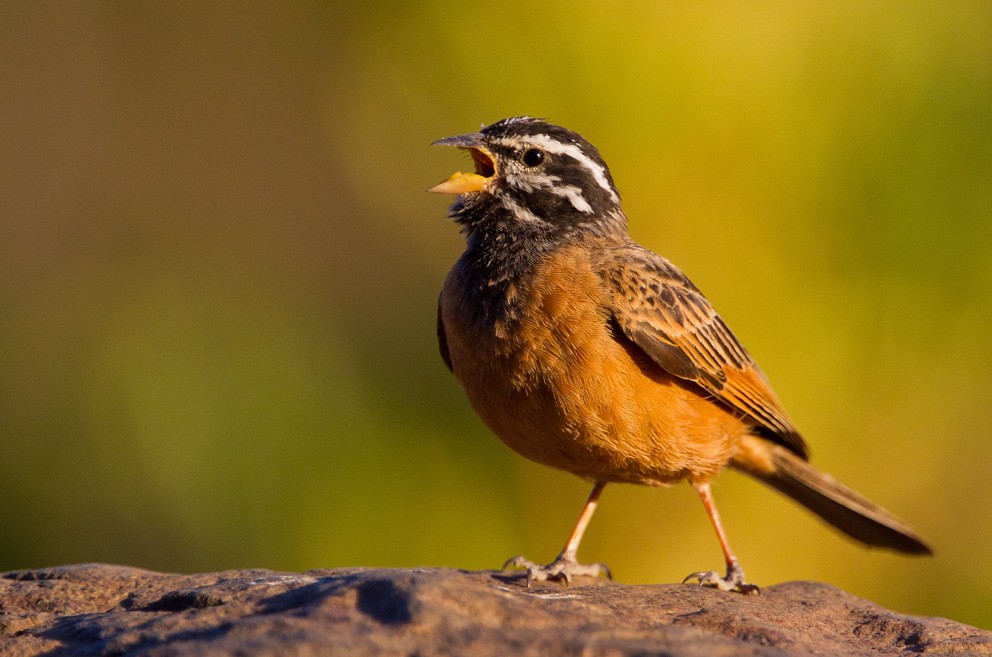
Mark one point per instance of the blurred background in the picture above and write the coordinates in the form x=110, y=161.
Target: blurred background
x=219, y=270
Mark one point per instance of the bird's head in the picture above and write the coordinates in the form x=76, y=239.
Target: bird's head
x=531, y=171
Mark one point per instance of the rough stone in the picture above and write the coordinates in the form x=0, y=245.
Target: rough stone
x=113, y=610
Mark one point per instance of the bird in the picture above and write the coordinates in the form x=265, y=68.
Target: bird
x=585, y=351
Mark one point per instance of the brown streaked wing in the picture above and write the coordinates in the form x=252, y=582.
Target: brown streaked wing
x=664, y=314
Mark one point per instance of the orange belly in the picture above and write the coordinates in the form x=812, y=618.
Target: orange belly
x=559, y=388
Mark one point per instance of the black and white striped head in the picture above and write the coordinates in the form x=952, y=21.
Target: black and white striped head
x=531, y=171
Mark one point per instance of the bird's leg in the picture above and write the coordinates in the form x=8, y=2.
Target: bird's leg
x=566, y=566
x=734, y=580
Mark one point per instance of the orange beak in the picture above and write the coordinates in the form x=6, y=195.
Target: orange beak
x=466, y=183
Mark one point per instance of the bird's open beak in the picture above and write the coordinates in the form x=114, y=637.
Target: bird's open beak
x=485, y=166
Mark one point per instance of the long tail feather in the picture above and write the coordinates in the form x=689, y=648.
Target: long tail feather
x=840, y=506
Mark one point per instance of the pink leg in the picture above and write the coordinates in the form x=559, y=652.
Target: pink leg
x=566, y=566
x=734, y=580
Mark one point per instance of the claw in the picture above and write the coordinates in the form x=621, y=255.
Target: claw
x=561, y=569
x=734, y=580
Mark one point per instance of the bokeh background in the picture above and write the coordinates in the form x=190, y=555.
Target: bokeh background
x=219, y=268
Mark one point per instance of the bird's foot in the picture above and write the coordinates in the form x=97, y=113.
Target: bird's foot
x=564, y=568
x=734, y=580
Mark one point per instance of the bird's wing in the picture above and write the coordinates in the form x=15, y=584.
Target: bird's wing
x=667, y=317
x=442, y=340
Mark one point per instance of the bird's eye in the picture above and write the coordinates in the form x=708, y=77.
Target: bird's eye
x=533, y=157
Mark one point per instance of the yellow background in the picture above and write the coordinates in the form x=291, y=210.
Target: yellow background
x=218, y=274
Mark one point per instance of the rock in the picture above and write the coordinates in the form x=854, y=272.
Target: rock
x=113, y=610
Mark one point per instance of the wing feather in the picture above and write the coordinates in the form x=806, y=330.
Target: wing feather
x=442, y=340
x=664, y=314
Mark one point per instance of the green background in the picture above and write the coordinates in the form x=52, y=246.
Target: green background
x=219, y=269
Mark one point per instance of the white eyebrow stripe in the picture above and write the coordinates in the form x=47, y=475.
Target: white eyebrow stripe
x=554, y=146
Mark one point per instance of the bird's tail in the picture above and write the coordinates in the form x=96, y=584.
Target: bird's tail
x=843, y=508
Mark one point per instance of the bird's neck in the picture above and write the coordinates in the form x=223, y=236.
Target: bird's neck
x=501, y=249
x=495, y=257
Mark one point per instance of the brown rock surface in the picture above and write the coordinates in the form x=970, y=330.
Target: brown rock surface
x=113, y=610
